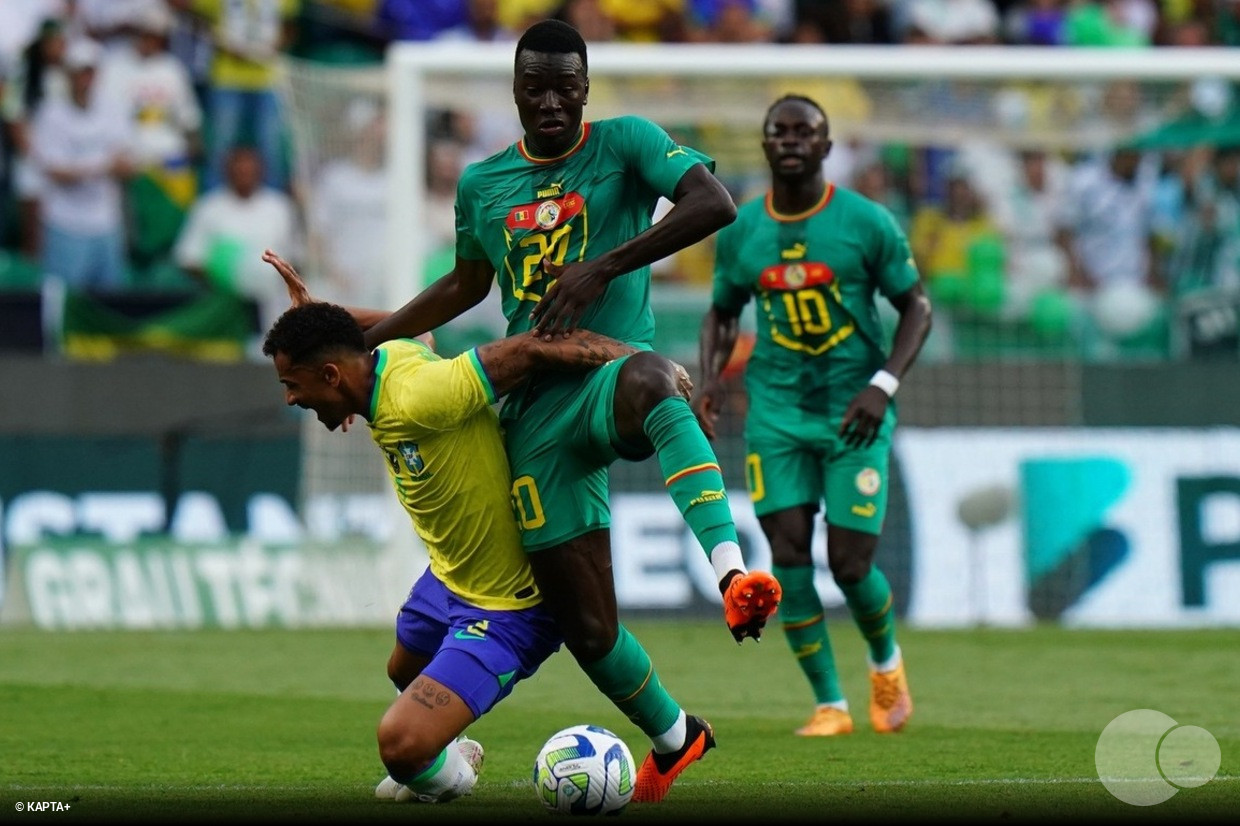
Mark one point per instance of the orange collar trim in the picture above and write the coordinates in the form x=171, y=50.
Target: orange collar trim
x=827, y=192
x=581, y=141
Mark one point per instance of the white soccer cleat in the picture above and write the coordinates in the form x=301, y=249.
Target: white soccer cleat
x=472, y=751
x=388, y=789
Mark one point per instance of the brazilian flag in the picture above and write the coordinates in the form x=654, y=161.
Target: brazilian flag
x=213, y=325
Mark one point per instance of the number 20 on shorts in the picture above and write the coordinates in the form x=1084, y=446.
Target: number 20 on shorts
x=526, y=504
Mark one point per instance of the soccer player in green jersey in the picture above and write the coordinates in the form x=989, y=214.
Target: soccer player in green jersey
x=820, y=384
x=474, y=624
x=562, y=220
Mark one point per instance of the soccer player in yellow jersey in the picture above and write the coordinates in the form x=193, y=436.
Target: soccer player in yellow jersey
x=473, y=624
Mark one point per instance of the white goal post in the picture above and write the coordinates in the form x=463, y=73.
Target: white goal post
x=420, y=76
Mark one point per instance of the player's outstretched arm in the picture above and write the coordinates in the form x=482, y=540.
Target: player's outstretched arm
x=716, y=341
x=299, y=293
x=702, y=207
x=467, y=284
x=512, y=360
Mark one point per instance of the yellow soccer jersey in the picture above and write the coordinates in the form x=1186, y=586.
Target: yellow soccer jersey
x=441, y=439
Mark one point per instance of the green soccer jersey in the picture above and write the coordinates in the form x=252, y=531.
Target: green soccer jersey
x=513, y=209
x=814, y=275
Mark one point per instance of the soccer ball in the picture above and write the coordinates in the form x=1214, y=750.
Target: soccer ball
x=584, y=770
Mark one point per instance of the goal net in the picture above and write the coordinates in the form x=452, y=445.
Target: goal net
x=378, y=149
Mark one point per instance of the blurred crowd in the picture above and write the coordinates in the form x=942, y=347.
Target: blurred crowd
x=144, y=148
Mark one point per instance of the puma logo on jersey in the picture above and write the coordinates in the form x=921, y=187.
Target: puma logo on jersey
x=808, y=650
x=551, y=190
x=866, y=511
x=474, y=631
x=795, y=252
x=708, y=496
x=680, y=150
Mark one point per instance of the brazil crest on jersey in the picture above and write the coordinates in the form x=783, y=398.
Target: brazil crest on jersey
x=513, y=209
x=441, y=441
x=814, y=277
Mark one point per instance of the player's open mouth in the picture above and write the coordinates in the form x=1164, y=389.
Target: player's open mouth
x=551, y=127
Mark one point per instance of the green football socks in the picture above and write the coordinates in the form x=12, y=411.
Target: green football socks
x=627, y=677
x=805, y=628
x=691, y=472
x=870, y=602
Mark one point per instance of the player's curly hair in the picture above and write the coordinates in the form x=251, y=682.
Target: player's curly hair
x=311, y=332
x=808, y=101
x=553, y=36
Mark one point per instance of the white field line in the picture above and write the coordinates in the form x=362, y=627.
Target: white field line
x=63, y=789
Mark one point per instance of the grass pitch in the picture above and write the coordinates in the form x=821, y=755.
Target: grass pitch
x=279, y=726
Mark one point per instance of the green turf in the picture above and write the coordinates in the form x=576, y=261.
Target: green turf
x=275, y=725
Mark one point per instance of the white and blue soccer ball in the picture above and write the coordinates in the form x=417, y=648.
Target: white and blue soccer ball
x=584, y=770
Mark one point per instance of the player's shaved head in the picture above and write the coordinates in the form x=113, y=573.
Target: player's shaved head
x=797, y=99
x=552, y=37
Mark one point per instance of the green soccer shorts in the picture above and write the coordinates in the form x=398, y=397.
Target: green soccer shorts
x=559, y=450
x=795, y=457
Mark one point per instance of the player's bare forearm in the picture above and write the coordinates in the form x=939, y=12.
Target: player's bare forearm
x=467, y=284
x=702, y=207
x=716, y=341
x=911, y=331
x=512, y=360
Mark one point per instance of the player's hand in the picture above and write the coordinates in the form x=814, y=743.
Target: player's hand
x=684, y=382
x=864, y=417
x=346, y=423
x=707, y=405
x=572, y=287
x=298, y=292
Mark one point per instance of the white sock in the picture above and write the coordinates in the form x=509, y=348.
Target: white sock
x=726, y=557
x=448, y=778
x=842, y=705
x=889, y=664
x=673, y=738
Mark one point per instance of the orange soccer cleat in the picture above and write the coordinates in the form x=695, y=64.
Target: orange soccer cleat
x=748, y=601
x=890, y=702
x=658, y=771
x=827, y=722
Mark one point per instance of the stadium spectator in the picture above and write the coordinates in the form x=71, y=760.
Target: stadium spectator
x=1024, y=192
x=347, y=217
x=248, y=38
x=228, y=228
x=80, y=148
x=1124, y=23
x=733, y=21
x=1106, y=231
x=38, y=75
x=482, y=25
x=1036, y=23
x=820, y=383
x=1205, y=238
x=156, y=90
x=111, y=22
x=951, y=245
x=951, y=22
x=587, y=17
x=419, y=19
x=647, y=21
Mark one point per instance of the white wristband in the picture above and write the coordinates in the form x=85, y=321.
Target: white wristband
x=886, y=382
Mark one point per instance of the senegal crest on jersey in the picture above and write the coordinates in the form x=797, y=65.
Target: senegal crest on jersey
x=545, y=215
x=796, y=276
